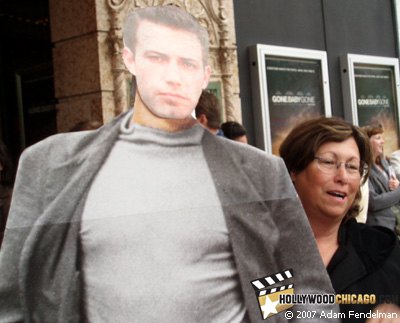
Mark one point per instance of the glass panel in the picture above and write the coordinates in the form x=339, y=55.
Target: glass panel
x=295, y=93
x=376, y=101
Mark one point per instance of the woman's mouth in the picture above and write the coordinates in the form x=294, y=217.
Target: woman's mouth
x=336, y=194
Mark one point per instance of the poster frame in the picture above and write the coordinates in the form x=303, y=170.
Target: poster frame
x=257, y=55
x=347, y=64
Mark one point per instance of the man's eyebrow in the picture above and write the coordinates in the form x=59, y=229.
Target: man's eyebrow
x=189, y=59
x=192, y=60
x=186, y=59
x=154, y=52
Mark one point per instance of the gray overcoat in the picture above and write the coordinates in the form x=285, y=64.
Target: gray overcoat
x=381, y=200
x=40, y=277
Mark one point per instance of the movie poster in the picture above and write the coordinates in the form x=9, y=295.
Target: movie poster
x=376, y=102
x=295, y=93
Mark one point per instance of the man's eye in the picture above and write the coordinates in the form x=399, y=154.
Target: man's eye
x=156, y=58
x=189, y=64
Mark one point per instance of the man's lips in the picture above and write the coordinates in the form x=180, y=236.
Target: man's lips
x=173, y=95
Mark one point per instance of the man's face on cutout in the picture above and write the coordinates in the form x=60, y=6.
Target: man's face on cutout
x=168, y=65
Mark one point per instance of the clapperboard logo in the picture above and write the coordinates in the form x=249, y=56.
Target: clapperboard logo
x=268, y=298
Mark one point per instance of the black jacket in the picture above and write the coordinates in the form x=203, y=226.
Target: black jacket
x=367, y=262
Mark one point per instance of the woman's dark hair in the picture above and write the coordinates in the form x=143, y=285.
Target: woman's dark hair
x=233, y=130
x=7, y=177
x=300, y=146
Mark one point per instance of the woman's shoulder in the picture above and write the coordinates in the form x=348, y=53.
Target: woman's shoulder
x=373, y=244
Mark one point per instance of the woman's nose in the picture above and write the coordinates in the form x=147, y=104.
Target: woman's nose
x=341, y=173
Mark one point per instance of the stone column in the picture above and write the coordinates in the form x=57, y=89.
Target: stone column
x=82, y=65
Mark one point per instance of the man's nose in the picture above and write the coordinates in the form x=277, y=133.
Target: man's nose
x=172, y=74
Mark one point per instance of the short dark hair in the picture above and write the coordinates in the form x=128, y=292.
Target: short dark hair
x=300, y=146
x=170, y=16
x=233, y=130
x=209, y=106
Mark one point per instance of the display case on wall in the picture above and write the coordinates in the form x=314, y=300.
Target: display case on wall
x=370, y=87
x=289, y=85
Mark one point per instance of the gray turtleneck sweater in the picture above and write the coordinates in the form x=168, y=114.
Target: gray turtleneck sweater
x=154, y=239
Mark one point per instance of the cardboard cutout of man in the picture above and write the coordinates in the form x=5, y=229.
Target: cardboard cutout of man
x=151, y=217
x=170, y=73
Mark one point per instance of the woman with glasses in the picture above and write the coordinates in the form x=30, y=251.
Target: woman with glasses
x=328, y=159
x=384, y=192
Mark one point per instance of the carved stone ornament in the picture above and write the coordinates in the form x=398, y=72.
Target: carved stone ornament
x=213, y=15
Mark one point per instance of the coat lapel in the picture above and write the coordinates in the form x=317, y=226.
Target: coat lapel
x=50, y=257
x=261, y=207
x=379, y=176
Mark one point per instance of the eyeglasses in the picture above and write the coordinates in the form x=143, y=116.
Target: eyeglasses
x=329, y=164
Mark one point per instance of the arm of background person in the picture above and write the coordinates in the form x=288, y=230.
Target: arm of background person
x=382, y=201
x=362, y=215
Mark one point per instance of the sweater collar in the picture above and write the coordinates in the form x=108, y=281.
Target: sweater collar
x=155, y=137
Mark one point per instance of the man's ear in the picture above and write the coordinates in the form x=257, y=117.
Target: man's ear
x=129, y=60
x=202, y=119
x=207, y=74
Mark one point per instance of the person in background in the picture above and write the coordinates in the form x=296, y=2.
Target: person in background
x=208, y=113
x=395, y=162
x=362, y=215
x=7, y=177
x=384, y=191
x=235, y=131
x=328, y=159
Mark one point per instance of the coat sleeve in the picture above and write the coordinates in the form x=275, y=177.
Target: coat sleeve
x=379, y=201
x=268, y=228
x=26, y=206
x=296, y=248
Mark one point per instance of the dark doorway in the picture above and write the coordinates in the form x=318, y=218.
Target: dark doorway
x=28, y=112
